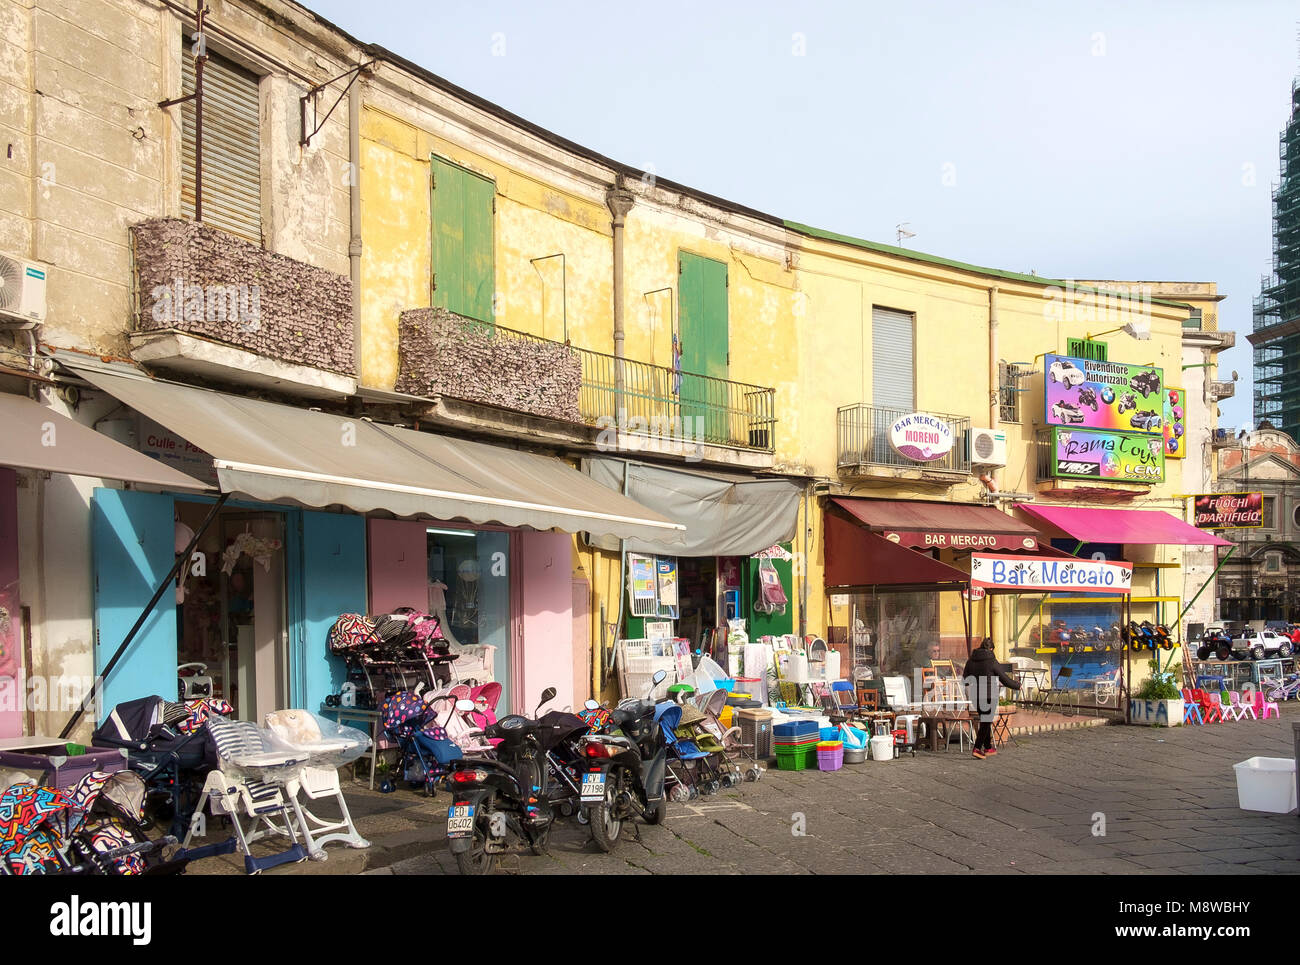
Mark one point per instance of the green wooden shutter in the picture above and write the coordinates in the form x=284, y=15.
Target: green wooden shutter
x=462, y=271
x=703, y=331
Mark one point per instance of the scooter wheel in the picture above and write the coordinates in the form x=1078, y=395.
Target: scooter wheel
x=753, y=774
x=584, y=817
x=566, y=808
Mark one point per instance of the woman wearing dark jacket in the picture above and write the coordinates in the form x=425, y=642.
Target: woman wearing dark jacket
x=983, y=674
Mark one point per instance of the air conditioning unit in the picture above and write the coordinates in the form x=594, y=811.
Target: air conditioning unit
x=986, y=447
x=22, y=290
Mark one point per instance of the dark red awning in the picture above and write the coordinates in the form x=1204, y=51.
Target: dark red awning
x=955, y=526
x=858, y=557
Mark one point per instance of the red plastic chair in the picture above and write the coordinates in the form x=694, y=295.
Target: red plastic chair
x=1209, y=711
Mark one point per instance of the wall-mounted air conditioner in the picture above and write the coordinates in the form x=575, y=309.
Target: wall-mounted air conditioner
x=986, y=447
x=22, y=290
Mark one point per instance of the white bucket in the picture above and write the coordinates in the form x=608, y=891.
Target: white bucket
x=1266, y=784
x=882, y=748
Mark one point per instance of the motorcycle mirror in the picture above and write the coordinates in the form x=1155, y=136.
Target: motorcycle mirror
x=592, y=705
x=547, y=694
x=659, y=677
x=464, y=706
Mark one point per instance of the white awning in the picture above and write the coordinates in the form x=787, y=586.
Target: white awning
x=35, y=437
x=277, y=453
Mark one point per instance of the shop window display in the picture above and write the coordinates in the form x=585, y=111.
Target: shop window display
x=892, y=634
x=469, y=593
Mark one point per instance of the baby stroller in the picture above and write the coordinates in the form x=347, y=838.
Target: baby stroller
x=94, y=827
x=741, y=758
x=692, y=769
x=694, y=726
x=168, y=745
x=389, y=653
x=426, y=749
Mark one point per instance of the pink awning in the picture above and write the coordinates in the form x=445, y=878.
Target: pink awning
x=1136, y=527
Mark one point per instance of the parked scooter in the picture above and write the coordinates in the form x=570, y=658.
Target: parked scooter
x=496, y=799
x=624, y=773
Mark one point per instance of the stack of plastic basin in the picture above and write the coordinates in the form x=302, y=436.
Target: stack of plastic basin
x=795, y=743
x=830, y=755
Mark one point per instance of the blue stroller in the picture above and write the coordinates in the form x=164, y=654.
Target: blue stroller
x=694, y=770
x=427, y=751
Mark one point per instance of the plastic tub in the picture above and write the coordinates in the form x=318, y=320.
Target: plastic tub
x=830, y=733
x=729, y=684
x=830, y=758
x=1266, y=784
x=882, y=748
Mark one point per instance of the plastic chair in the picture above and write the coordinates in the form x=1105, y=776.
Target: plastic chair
x=845, y=696
x=1226, y=713
x=1209, y=709
x=1054, y=696
x=1242, y=707
x=1264, y=706
x=1191, y=709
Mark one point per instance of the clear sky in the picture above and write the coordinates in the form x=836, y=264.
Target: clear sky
x=1134, y=140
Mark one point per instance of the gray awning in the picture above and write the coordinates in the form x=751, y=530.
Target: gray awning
x=726, y=514
x=278, y=453
x=39, y=438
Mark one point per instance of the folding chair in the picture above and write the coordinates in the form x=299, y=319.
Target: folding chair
x=1055, y=695
x=299, y=730
x=845, y=697
x=241, y=745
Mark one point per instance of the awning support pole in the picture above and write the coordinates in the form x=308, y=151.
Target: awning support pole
x=966, y=619
x=181, y=560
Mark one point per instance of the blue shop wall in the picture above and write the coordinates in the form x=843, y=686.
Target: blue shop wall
x=333, y=581
x=133, y=539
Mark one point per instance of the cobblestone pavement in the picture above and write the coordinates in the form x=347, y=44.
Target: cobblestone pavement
x=1165, y=799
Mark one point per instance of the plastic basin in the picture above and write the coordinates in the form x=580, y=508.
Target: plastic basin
x=1266, y=784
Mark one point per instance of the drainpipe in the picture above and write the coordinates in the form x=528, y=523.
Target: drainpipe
x=991, y=600
x=620, y=202
x=354, y=219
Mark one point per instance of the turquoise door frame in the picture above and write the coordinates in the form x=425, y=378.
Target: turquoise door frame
x=134, y=548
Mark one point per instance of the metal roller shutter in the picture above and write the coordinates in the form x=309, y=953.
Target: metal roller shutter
x=893, y=382
x=232, y=166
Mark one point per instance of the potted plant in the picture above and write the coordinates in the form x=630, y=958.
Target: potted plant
x=1158, y=702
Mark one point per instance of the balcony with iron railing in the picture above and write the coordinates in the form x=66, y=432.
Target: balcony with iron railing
x=864, y=447
x=443, y=354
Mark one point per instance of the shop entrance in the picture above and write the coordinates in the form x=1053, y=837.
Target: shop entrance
x=232, y=609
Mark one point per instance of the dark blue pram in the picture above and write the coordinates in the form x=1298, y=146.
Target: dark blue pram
x=693, y=769
x=426, y=749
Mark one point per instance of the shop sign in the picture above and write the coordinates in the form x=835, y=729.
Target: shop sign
x=973, y=593
x=921, y=437
x=1228, y=510
x=1032, y=575
x=1175, y=423
x=1103, y=395
x=933, y=539
x=167, y=447
x=1109, y=456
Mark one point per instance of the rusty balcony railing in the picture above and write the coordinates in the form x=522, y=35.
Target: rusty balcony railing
x=863, y=435
x=644, y=399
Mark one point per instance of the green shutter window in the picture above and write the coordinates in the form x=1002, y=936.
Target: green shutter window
x=703, y=333
x=462, y=272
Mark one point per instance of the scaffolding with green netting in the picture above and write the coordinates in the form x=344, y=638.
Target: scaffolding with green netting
x=1276, y=335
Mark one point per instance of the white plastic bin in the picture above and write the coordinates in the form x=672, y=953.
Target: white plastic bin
x=1266, y=784
x=882, y=748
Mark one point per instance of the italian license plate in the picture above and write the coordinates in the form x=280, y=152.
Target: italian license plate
x=593, y=787
x=460, y=820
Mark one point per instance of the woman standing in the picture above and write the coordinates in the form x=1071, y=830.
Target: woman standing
x=983, y=674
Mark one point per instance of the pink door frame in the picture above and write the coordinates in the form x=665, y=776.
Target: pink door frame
x=12, y=691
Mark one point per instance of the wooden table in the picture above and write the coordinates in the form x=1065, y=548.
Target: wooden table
x=946, y=720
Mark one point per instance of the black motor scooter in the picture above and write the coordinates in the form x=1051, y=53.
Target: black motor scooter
x=494, y=800
x=623, y=776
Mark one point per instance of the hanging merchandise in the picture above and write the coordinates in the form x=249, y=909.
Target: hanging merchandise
x=246, y=544
x=771, y=595
x=464, y=612
x=641, y=585
x=666, y=584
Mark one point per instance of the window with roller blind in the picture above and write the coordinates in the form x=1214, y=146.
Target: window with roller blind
x=232, y=159
x=893, y=359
